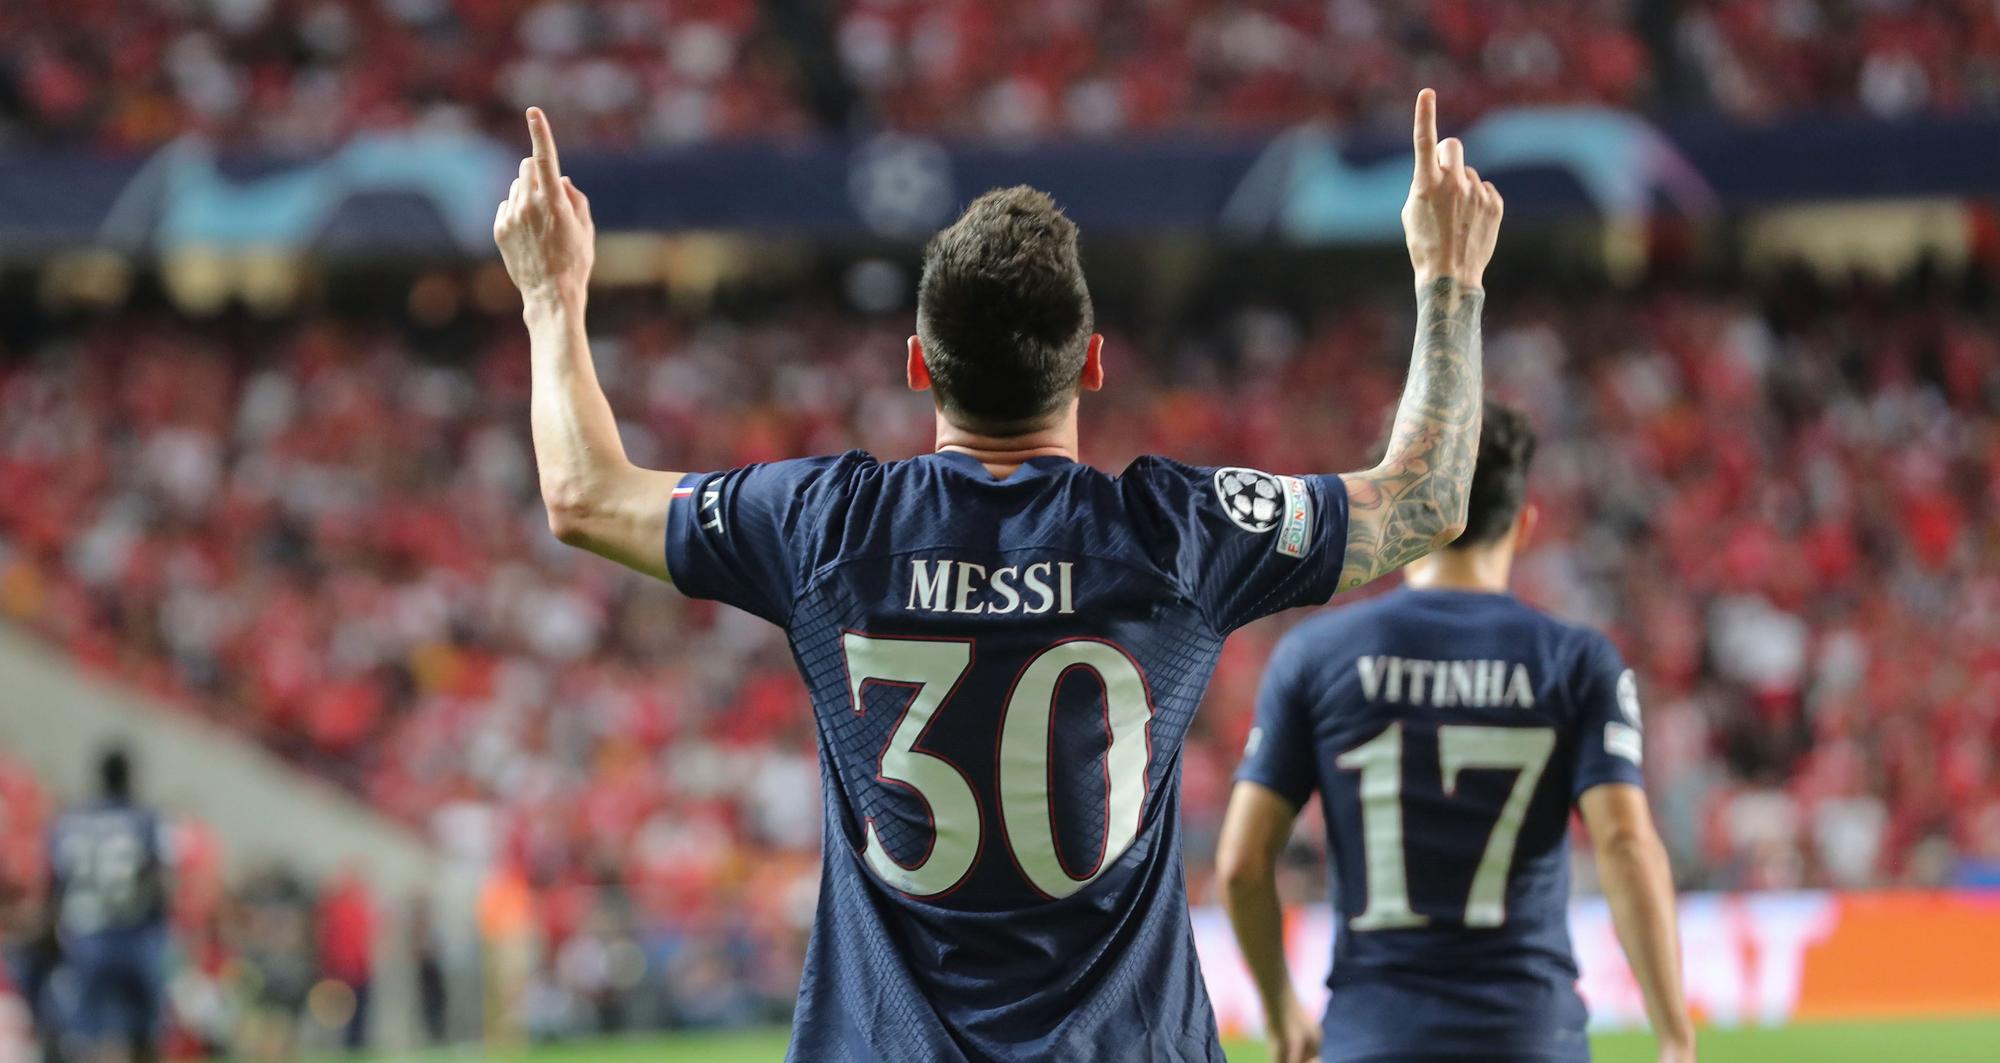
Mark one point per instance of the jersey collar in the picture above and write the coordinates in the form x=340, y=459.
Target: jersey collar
x=1028, y=469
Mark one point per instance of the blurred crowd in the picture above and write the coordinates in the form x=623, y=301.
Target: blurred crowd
x=260, y=967
x=323, y=530
x=300, y=75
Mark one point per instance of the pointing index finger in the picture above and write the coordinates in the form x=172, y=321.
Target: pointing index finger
x=547, y=166
x=1424, y=137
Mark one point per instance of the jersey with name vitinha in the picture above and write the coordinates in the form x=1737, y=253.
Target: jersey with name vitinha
x=1002, y=672
x=1448, y=734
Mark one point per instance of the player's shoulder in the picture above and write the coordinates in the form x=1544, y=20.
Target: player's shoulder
x=1332, y=635
x=1253, y=500
x=816, y=479
x=84, y=811
x=101, y=809
x=1577, y=641
x=785, y=476
x=846, y=463
x=1152, y=472
x=1336, y=623
x=1583, y=653
x=1553, y=629
x=1158, y=465
x=1158, y=477
x=91, y=817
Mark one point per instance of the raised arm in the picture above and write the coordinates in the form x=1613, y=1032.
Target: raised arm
x=1639, y=887
x=596, y=498
x=1414, y=501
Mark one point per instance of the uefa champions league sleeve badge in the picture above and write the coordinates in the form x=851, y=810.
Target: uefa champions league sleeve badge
x=1259, y=502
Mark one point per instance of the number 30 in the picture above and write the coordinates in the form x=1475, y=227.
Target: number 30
x=934, y=668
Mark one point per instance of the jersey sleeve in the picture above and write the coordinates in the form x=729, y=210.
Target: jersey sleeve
x=747, y=537
x=1243, y=543
x=1279, y=752
x=1609, y=739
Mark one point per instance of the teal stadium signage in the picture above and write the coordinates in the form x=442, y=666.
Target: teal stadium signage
x=433, y=192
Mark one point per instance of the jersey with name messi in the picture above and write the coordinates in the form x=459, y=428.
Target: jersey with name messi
x=1002, y=672
x=1448, y=734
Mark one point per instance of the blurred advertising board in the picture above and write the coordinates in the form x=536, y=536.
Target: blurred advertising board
x=1762, y=959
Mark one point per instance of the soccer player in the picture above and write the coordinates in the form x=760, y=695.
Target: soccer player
x=1447, y=728
x=108, y=863
x=1003, y=646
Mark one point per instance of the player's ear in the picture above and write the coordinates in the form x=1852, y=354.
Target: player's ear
x=1093, y=363
x=1524, y=524
x=919, y=373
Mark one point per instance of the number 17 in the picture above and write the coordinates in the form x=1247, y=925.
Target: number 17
x=1524, y=750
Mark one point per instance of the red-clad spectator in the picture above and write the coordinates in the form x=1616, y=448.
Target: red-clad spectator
x=347, y=948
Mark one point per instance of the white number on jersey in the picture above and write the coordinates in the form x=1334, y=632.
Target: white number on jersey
x=102, y=862
x=1524, y=750
x=933, y=668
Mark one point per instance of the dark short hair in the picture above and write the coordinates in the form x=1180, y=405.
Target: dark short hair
x=1003, y=312
x=114, y=772
x=1500, y=478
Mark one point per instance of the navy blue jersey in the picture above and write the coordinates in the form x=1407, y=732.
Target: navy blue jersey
x=1002, y=672
x=108, y=862
x=1448, y=734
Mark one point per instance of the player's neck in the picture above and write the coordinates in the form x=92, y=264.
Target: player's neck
x=1482, y=570
x=1003, y=454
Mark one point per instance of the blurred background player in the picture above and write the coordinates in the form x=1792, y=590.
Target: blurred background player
x=1005, y=647
x=1448, y=728
x=108, y=901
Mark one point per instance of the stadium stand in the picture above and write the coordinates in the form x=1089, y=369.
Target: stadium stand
x=322, y=531
x=294, y=77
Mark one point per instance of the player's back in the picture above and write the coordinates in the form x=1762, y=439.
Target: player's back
x=1002, y=672
x=1448, y=733
x=108, y=863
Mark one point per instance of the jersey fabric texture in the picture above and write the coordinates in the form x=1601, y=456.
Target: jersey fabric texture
x=108, y=860
x=1002, y=672
x=1448, y=734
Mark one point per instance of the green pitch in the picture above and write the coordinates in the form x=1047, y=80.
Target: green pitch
x=1961, y=1041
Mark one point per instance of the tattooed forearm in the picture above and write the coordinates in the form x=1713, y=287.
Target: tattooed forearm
x=1414, y=502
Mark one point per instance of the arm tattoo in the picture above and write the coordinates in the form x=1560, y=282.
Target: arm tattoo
x=1405, y=507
